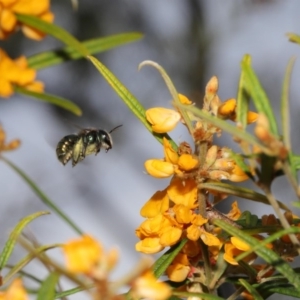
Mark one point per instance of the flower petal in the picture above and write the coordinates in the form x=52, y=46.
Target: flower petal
x=162, y=119
x=158, y=168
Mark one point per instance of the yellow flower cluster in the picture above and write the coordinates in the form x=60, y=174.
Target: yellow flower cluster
x=16, y=72
x=9, y=23
x=173, y=213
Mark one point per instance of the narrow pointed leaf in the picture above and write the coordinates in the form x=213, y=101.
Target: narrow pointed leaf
x=258, y=95
x=47, y=290
x=161, y=265
x=285, y=114
x=17, y=267
x=283, y=290
x=239, y=192
x=52, y=99
x=55, y=31
x=98, y=45
x=253, y=292
x=242, y=98
x=69, y=292
x=13, y=237
x=130, y=101
x=43, y=197
x=224, y=125
x=266, y=254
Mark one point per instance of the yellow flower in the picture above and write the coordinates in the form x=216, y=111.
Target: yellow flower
x=157, y=204
x=162, y=119
x=234, y=248
x=83, y=254
x=159, y=168
x=183, y=192
x=193, y=232
x=16, y=291
x=12, y=145
x=9, y=22
x=183, y=214
x=237, y=174
x=179, y=268
x=16, y=72
x=150, y=245
x=227, y=110
x=235, y=212
x=184, y=100
x=170, y=154
x=147, y=286
x=239, y=244
x=209, y=239
x=187, y=162
x=170, y=236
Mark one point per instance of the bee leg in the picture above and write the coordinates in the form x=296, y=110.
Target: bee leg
x=97, y=151
x=78, y=153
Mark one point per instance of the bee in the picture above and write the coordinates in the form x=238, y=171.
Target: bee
x=86, y=142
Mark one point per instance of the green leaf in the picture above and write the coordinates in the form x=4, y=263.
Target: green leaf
x=47, y=290
x=296, y=161
x=253, y=292
x=294, y=38
x=242, y=98
x=285, y=101
x=224, y=125
x=166, y=259
x=130, y=101
x=69, y=292
x=58, y=101
x=53, y=30
x=239, y=192
x=98, y=45
x=258, y=95
x=268, y=255
x=43, y=197
x=13, y=237
x=283, y=290
x=17, y=267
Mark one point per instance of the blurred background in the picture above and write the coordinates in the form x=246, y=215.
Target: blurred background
x=192, y=40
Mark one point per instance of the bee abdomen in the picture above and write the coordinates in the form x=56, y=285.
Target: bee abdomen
x=64, y=149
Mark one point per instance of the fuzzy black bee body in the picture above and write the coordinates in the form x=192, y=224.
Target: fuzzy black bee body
x=86, y=142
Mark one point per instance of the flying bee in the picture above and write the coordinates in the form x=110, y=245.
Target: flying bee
x=86, y=142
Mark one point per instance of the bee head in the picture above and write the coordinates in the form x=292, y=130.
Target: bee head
x=105, y=139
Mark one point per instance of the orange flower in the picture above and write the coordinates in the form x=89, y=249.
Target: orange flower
x=235, y=212
x=187, y=162
x=9, y=22
x=16, y=72
x=227, y=110
x=12, y=145
x=82, y=254
x=16, y=291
